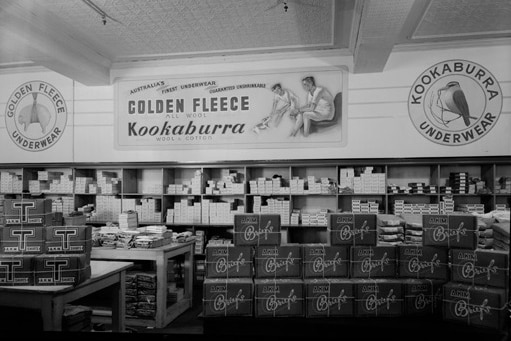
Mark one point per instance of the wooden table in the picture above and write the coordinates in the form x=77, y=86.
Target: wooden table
x=50, y=300
x=160, y=255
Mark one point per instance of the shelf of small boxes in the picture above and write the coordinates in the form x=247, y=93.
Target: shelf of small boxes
x=41, y=247
x=359, y=274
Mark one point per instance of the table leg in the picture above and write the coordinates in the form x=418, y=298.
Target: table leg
x=188, y=268
x=161, y=291
x=118, y=291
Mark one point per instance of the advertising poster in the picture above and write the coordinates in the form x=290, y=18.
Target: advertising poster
x=294, y=109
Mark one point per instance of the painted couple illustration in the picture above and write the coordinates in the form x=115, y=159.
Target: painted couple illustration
x=319, y=107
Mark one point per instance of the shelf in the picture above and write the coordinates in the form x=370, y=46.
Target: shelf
x=125, y=185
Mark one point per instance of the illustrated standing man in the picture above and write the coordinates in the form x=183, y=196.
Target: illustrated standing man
x=319, y=106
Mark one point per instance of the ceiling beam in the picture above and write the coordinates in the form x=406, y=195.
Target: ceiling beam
x=33, y=29
x=380, y=26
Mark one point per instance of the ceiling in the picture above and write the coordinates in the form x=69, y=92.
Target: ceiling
x=86, y=39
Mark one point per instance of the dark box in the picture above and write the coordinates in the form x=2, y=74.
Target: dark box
x=257, y=229
x=474, y=305
x=24, y=208
x=279, y=297
x=415, y=261
x=61, y=269
x=453, y=231
x=480, y=267
x=16, y=270
x=378, y=297
x=373, y=262
x=227, y=261
x=422, y=296
x=227, y=297
x=329, y=297
x=68, y=239
x=352, y=229
x=22, y=239
x=284, y=261
x=321, y=260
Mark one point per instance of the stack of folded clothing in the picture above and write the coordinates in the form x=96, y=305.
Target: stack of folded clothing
x=485, y=232
x=501, y=236
x=413, y=228
x=390, y=229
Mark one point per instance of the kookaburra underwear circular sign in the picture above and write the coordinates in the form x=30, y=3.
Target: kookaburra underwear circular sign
x=36, y=116
x=455, y=102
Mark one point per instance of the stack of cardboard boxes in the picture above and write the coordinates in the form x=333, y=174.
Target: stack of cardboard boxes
x=355, y=276
x=36, y=248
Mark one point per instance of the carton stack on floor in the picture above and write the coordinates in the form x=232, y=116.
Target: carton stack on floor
x=444, y=275
x=36, y=248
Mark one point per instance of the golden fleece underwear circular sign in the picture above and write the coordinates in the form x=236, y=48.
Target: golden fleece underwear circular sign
x=455, y=102
x=36, y=116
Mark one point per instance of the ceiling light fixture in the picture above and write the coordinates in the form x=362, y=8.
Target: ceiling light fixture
x=98, y=10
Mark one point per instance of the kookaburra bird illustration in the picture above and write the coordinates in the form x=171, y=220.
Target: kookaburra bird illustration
x=454, y=100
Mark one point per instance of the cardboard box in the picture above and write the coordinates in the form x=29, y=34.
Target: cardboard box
x=279, y=297
x=22, y=239
x=453, y=231
x=422, y=296
x=321, y=260
x=16, y=270
x=45, y=219
x=229, y=261
x=257, y=229
x=68, y=239
x=283, y=261
x=24, y=208
x=415, y=261
x=352, y=229
x=228, y=297
x=75, y=220
x=378, y=297
x=373, y=262
x=480, y=267
x=328, y=297
x=61, y=269
x=473, y=305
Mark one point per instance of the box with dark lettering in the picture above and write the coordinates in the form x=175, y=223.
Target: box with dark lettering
x=474, y=305
x=228, y=297
x=373, y=261
x=329, y=297
x=228, y=261
x=480, y=267
x=415, y=261
x=22, y=239
x=378, y=297
x=257, y=229
x=322, y=260
x=68, y=239
x=279, y=297
x=283, y=261
x=422, y=296
x=16, y=270
x=453, y=231
x=352, y=229
x=61, y=269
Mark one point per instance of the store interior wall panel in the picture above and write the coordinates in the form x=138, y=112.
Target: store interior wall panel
x=377, y=112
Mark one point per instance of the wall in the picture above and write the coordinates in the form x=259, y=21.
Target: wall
x=378, y=124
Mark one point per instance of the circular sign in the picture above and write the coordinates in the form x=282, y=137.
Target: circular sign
x=455, y=102
x=35, y=116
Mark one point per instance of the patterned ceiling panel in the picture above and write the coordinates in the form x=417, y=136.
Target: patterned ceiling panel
x=450, y=18
x=140, y=28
